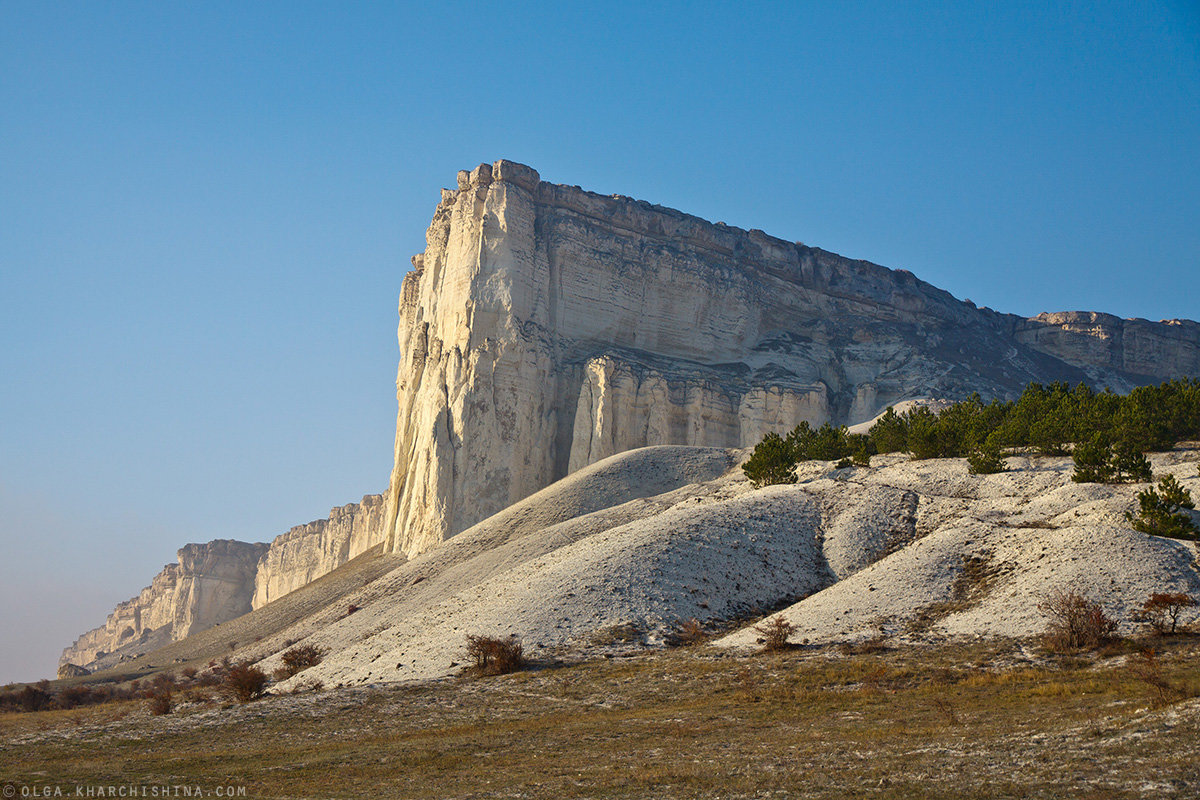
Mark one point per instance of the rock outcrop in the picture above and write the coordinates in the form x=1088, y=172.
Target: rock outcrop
x=72, y=671
x=1101, y=344
x=210, y=583
x=307, y=552
x=546, y=327
x=215, y=582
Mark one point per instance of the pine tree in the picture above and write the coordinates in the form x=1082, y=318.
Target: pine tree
x=771, y=462
x=1129, y=465
x=889, y=434
x=1092, y=461
x=986, y=460
x=1162, y=512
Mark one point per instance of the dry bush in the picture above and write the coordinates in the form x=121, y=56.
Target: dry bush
x=1075, y=622
x=774, y=633
x=621, y=633
x=944, y=707
x=189, y=672
x=1161, y=611
x=1146, y=668
x=74, y=696
x=160, y=702
x=163, y=681
x=194, y=695
x=686, y=632
x=865, y=647
x=245, y=681
x=299, y=659
x=34, y=698
x=312, y=685
x=494, y=656
x=210, y=678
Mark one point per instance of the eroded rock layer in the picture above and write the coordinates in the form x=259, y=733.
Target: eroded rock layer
x=307, y=552
x=209, y=584
x=546, y=327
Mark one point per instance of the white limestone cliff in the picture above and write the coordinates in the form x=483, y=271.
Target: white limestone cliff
x=216, y=582
x=546, y=327
x=209, y=584
x=307, y=552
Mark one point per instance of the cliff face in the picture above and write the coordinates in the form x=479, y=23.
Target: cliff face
x=215, y=582
x=1101, y=344
x=545, y=327
x=210, y=583
x=307, y=552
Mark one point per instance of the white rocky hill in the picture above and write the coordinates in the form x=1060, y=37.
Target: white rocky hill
x=913, y=548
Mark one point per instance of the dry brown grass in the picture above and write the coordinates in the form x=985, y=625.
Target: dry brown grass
x=976, y=579
x=973, y=720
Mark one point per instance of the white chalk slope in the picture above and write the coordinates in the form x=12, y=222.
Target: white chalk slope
x=648, y=537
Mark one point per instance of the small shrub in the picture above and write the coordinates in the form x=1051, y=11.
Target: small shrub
x=210, y=678
x=160, y=702
x=985, y=460
x=1161, y=610
x=1075, y=622
x=494, y=656
x=687, y=632
x=350, y=609
x=1146, y=668
x=163, y=681
x=774, y=633
x=189, y=672
x=299, y=659
x=245, y=681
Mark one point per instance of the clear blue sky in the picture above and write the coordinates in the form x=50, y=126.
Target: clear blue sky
x=206, y=210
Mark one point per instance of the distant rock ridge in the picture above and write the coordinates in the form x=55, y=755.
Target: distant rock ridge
x=546, y=327
x=210, y=583
x=223, y=579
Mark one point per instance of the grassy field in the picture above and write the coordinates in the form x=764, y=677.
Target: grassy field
x=987, y=720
